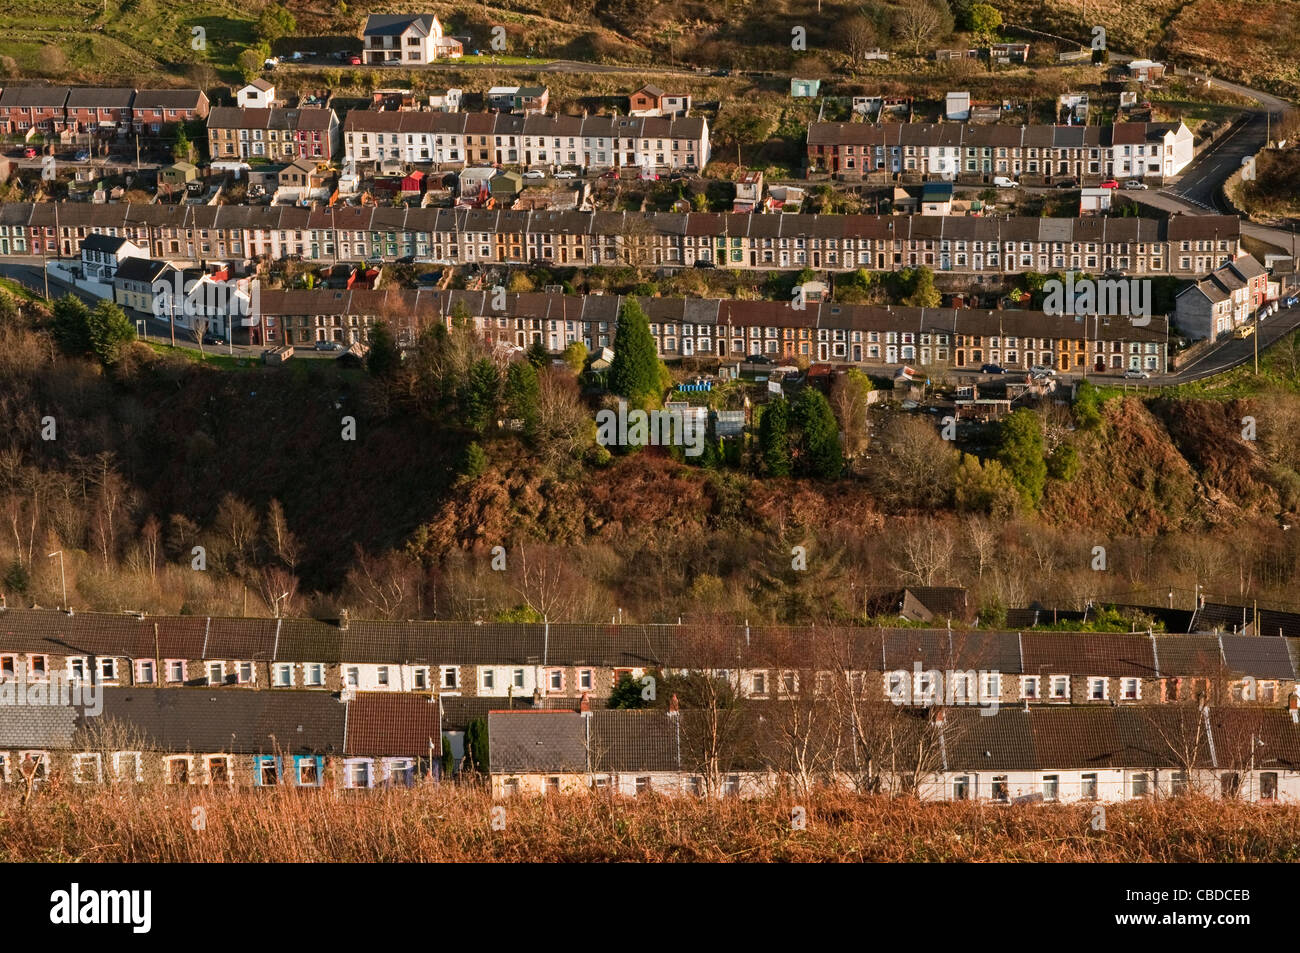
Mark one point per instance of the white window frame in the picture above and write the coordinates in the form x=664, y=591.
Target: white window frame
x=449, y=678
x=140, y=665
x=239, y=673
x=487, y=679
x=208, y=668
x=350, y=763
x=42, y=759
x=1105, y=688
x=77, y=666
x=1055, y=680
x=314, y=674
x=990, y=686
x=229, y=760
x=139, y=765
x=168, y=664
x=189, y=768
x=419, y=673
x=1137, y=689
x=79, y=762
x=1025, y=682
x=108, y=670
x=586, y=680
x=282, y=669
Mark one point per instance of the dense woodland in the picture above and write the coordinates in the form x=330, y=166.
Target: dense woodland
x=458, y=451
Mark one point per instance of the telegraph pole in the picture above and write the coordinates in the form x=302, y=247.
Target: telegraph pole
x=62, y=578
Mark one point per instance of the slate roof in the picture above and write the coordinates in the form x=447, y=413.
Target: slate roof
x=544, y=742
x=37, y=726
x=1047, y=653
x=234, y=722
x=393, y=723
x=1214, y=616
x=634, y=741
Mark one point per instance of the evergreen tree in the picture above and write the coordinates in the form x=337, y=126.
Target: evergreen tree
x=383, y=359
x=634, y=373
x=820, y=454
x=1021, y=453
x=478, y=397
x=473, y=462
x=774, y=437
x=626, y=693
x=109, y=330
x=448, y=758
x=71, y=324
x=924, y=294
x=523, y=395
x=476, y=744
x=538, y=356
x=575, y=355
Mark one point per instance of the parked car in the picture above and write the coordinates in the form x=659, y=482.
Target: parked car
x=721, y=72
x=704, y=263
x=212, y=338
x=758, y=359
x=1067, y=184
x=1004, y=182
x=82, y=156
x=354, y=60
x=1039, y=369
x=992, y=369
x=1245, y=331
x=29, y=153
x=1136, y=375
x=271, y=62
x=1135, y=184
x=534, y=174
x=328, y=346
x=1110, y=184
x=611, y=174
x=566, y=175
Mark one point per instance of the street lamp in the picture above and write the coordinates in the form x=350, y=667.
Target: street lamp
x=62, y=578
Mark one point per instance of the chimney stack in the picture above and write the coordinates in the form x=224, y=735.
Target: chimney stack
x=674, y=706
x=584, y=705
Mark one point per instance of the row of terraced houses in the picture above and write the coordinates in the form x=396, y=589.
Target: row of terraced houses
x=950, y=150
x=733, y=329
x=1181, y=246
x=988, y=715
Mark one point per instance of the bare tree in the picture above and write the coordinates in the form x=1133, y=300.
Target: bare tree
x=926, y=551
x=920, y=21
x=859, y=36
x=279, y=590
x=151, y=543
x=279, y=538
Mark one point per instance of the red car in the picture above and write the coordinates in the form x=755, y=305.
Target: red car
x=29, y=153
x=1110, y=184
x=354, y=61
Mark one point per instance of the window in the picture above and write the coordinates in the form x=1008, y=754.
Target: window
x=1178, y=783
x=218, y=766
x=420, y=679
x=488, y=677
x=8, y=666
x=990, y=686
x=1229, y=784
x=1139, y=784
x=87, y=768
x=127, y=766
x=1132, y=689
x=1001, y=792
x=731, y=788
x=399, y=771
x=1088, y=787
x=308, y=770
x=517, y=678
x=1268, y=785
x=555, y=679
x=144, y=671
x=176, y=770
x=381, y=675
x=38, y=666
x=760, y=683
x=216, y=673
x=175, y=670
x=1051, y=787
x=450, y=678
x=77, y=669
x=284, y=675
x=642, y=785
x=961, y=788
x=553, y=785
x=353, y=676
x=1097, y=688
x=266, y=770
x=1060, y=687
x=357, y=773
x=245, y=673
x=1029, y=686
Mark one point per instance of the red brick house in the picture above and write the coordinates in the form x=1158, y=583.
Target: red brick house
x=89, y=109
x=154, y=109
x=32, y=107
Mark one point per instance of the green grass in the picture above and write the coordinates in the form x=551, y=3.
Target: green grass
x=223, y=362
x=17, y=289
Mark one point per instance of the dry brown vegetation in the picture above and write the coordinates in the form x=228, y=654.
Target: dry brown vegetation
x=435, y=823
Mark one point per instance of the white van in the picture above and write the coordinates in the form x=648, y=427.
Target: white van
x=1004, y=182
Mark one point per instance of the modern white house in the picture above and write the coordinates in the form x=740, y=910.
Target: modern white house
x=1158, y=149
x=403, y=39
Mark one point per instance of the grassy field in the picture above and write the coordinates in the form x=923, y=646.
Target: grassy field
x=437, y=823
